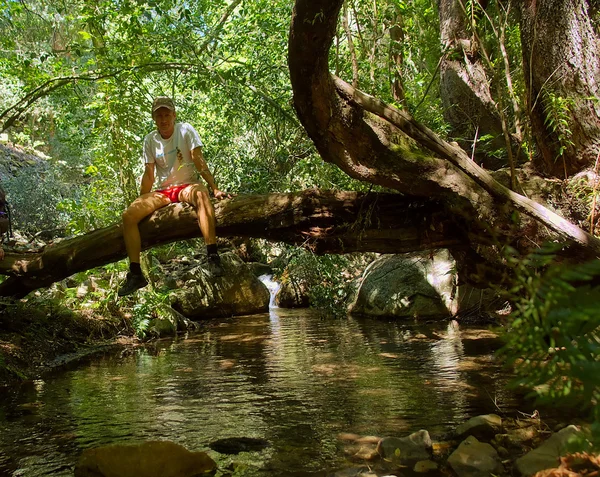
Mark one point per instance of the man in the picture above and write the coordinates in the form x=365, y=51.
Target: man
x=173, y=154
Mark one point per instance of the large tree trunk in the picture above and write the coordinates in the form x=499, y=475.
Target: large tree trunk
x=562, y=75
x=376, y=149
x=464, y=84
x=326, y=222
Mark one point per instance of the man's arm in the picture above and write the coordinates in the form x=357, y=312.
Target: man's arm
x=202, y=167
x=148, y=178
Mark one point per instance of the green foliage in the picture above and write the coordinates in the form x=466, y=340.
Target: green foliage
x=35, y=195
x=329, y=279
x=418, y=50
x=144, y=310
x=558, y=115
x=553, y=340
x=584, y=199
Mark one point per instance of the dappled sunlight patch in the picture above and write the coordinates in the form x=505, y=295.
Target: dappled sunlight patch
x=227, y=363
x=258, y=324
x=31, y=406
x=199, y=339
x=328, y=356
x=452, y=385
x=350, y=371
x=469, y=363
x=9, y=347
x=441, y=448
x=419, y=337
x=231, y=337
x=244, y=338
x=348, y=436
x=126, y=340
x=469, y=334
x=328, y=369
x=376, y=392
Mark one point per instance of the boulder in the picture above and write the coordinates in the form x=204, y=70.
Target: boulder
x=416, y=285
x=238, y=292
x=475, y=459
x=167, y=322
x=548, y=454
x=406, y=450
x=482, y=427
x=260, y=268
x=149, y=459
x=412, y=285
x=292, y=294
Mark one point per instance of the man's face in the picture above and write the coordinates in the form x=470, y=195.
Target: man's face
x=165, y=121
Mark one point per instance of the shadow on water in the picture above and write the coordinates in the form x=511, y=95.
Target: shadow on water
x=287, y=378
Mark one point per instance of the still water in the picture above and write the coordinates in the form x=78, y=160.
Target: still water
x=291, y=377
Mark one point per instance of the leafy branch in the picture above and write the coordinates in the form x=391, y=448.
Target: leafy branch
x=17, y=109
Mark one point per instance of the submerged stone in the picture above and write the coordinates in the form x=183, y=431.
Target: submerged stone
x=150, y=459
x=235, y=445
x=409, y=449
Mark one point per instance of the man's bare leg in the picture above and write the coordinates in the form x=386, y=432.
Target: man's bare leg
x=197, y=195
x=141, y=207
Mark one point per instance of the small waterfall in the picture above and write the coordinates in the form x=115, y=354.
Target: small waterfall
x=272, y=286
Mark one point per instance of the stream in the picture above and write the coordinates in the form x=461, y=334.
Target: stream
x=291, y=377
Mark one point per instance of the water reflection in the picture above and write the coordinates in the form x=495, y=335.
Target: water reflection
x=289, y=377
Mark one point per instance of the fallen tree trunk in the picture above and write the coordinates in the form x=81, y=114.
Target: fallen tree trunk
x=326, y=222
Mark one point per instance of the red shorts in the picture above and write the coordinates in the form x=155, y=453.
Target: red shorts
x=173, y=192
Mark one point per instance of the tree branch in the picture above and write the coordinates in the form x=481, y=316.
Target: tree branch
x=460, y=159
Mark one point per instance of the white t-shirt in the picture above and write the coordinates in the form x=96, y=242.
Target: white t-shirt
x=173, y=156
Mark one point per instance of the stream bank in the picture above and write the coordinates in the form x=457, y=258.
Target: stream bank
x=37, y=336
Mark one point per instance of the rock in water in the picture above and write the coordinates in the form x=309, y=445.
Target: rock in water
x=235, y=445
x=150, y=459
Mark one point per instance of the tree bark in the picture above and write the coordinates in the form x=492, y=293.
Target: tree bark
x=464, y=84
x=561, y=66
x=326, y=222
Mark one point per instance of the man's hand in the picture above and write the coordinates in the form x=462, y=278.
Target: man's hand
x=220, y=195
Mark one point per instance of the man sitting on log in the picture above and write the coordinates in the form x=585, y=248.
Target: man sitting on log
x=173, y=154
